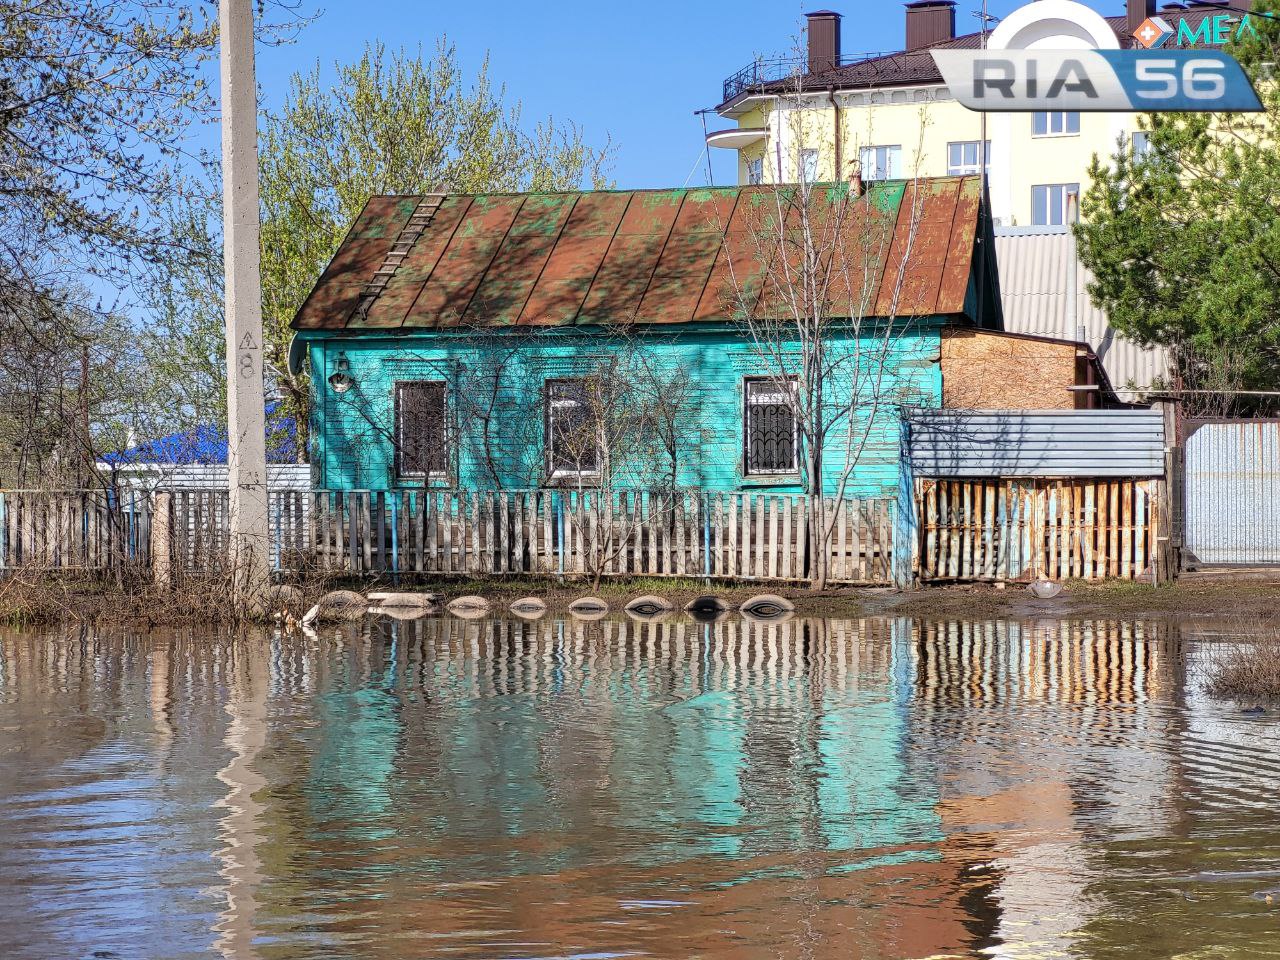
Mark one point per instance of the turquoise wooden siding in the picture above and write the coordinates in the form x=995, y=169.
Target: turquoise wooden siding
x=352, y=432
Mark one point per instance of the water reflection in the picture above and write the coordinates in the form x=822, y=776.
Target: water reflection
x=503, y=788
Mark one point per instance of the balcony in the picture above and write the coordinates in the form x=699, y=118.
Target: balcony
x=763, y=72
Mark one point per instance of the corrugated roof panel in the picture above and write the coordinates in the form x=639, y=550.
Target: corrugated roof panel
x=470, y=252
x=392, y=307
x=601, y=257
x=922, y=240
x=511, y=277
x=1034, y=266
x=335, y=294
x=1019, y=443
x=964, y=235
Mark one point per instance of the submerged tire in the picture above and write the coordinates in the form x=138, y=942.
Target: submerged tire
x=589, y=608
x=649, y=605
x=338, y=605
x=529, y=608
x=468, y=607
x=707, y=604
x=767, y=607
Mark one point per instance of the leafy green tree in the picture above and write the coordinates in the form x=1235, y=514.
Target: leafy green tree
x=1184, y=241
x=391, y=123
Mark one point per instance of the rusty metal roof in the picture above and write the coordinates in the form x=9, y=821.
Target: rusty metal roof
x=642, y=256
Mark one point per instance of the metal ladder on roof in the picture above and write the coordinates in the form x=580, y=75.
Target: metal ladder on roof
x=419, y=220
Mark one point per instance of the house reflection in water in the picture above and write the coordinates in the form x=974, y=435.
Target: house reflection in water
x=812, y=788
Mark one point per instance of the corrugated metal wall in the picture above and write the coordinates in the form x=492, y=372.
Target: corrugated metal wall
x=1233, y=492
x=1000, y=443
x=280, y=476
x=1034, y=265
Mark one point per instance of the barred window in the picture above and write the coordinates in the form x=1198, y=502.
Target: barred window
x=572, y=440
x=421, y=435
x=769, y=426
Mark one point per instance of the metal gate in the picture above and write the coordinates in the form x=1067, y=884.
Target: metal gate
x=1233, y=492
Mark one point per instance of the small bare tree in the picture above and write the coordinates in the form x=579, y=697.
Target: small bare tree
x=826, y=311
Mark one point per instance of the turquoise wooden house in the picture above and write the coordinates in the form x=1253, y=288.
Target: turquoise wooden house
x=519, y=341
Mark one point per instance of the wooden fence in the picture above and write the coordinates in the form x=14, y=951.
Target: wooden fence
x=1011, y=530
x=635, y=533
x=74, y=530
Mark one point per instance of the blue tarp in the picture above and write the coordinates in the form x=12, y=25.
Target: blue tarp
x=207, y=444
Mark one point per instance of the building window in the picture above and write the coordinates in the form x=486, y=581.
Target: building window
x=420, y=430
x=769, y=426
x=1056, y=123
x=881, y=163
x=571, y=437
x=809, y=165
x=1140, y=143
x=1050, y=202
x=962, y=157
x=755, y=170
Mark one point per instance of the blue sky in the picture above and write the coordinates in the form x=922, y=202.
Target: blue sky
x=634, y=71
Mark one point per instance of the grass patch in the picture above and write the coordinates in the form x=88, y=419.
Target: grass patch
x=1246, y=669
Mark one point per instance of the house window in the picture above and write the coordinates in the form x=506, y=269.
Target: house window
x=769, y=426
x=420, y=429
x=1050, y=202
x=1056, y=123
x=809, y=166
x=881, y=163
x=1140, y=143
x=962, y=157
x=571, y=437
x=755, y=170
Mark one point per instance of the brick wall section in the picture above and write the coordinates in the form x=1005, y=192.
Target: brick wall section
x=983, y=370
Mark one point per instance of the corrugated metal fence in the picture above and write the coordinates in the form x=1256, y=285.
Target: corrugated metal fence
x=1232, y=492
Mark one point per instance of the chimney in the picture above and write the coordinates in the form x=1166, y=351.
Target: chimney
x=824, y=40
x=1139, y=10
x=930, y=22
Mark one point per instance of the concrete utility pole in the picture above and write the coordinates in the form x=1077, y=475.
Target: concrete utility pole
x=246, y=417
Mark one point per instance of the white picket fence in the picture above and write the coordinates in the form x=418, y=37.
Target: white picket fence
x=623, y=533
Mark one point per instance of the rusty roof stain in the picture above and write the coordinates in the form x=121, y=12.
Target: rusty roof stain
x=643, y=256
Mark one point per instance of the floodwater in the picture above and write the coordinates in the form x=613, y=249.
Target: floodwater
x=878, y=788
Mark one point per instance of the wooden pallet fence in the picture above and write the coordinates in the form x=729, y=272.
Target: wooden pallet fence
x=546, y=532
x=1022, y=530
x=76, y=530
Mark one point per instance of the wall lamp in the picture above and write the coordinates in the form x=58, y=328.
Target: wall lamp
x=340, y=381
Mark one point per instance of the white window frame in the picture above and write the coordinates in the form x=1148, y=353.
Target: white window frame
x=769, y=399
x=871, y=156
x=1140, y=144
x=755, y=170
x=807, y=168
x=399, y=423
x=964, y=168
x=1062, y=120
x=549, y=406
x=1056, y=199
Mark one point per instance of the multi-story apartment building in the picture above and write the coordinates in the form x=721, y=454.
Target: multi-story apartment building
x=827, y=115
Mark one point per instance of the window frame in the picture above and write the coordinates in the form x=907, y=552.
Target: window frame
x=803, y=172
x=963, y=169
x=890, y=157
x=398, y=388
x=747, y=404
x=1063, y=207
x=1143, y=152
x=553, y=472
x=1069, y=118
x=755, y=170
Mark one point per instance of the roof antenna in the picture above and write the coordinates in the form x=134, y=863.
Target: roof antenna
x=711, y=180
